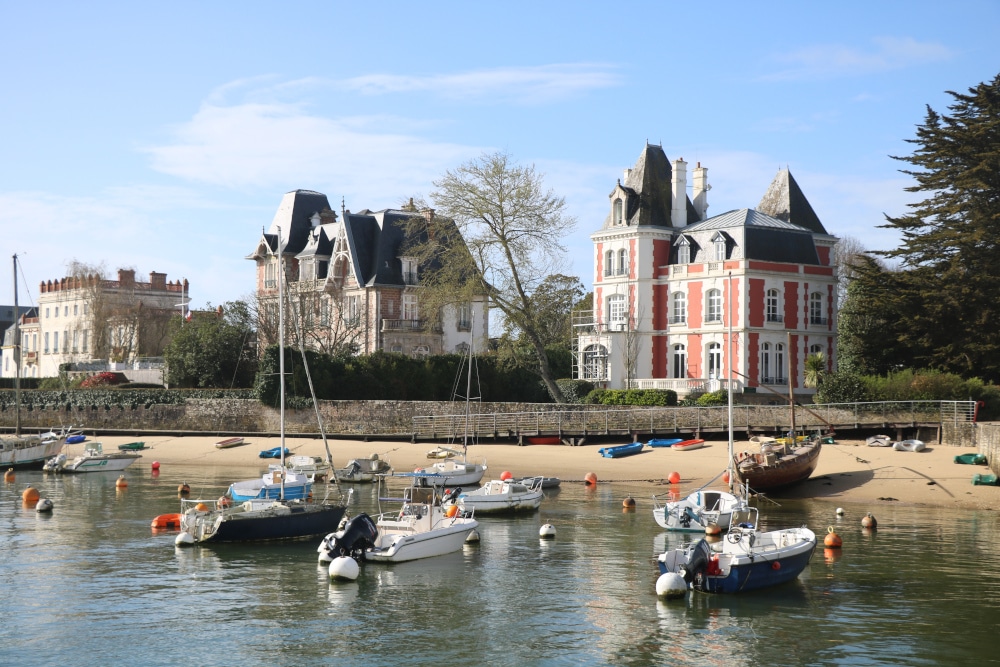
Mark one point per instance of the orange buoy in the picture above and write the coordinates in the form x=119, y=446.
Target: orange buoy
x=505, y=475
x=8, y=476
x=628, y=503
x=224, y=501
x=725, y=477
x=452, y=511
x=183, y=489
x=156, y=465
x=121, y=483
x=713, y=529
x=166, y=521
x=869, y=522
x=832, y=539
x=590, y=478
x=675, y=478
x=30, y=495
x=201, y=507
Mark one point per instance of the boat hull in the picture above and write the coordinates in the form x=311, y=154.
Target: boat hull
x=763, y=475
x=697, y=511
x=228, y=442
x=27, y=453
x=263, y=521
x=664, y=442
x=102, y=463
x=243, y=491
x=688, y=444
x=620, y=451
x=438, y=542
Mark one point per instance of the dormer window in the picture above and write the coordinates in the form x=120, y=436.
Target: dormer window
x=683, y=251
x=409, y=268
x=719, y=243
x=315, y=220
x=618, y=213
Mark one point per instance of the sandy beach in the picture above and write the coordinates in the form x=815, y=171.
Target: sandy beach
x=848, y=471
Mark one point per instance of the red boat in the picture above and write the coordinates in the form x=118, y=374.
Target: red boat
x=685, y=445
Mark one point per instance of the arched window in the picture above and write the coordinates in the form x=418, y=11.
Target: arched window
x=773, y=306
x=595, y=362
x=609, y=262
x=815, y=349
x=680, y=308
x=713, y=301
x=816, y=308
x=680, y=361
x=622, y=262
x=714, y=361
x=618, y=217
x=616, y=312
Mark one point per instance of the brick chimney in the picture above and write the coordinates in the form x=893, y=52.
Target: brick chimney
x=157, y=281
x=126, y=276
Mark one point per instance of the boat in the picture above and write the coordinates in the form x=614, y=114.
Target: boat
x=746, y=559
x=229, y=442
x=442, y=453
x=363, y=470
x=315, y=468
x=985, y=479
x=275, y=484
x=76, y=439
x=688, y=444
x=547, y=482
x=132, y=447
x=423, y=528
x=619, y=451
x=664, y=442
x=93, y=459
x=262, y=519
x=543, y=439
x=778, y=465
x=971, y=459
x=698, y=511
x=502, y=496
x=166, y=522
x=274, y=453
x=909, y=446
x=879, y=441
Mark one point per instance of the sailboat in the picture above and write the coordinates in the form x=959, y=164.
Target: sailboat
x=263, y=518
x=25, y=451
x=706, y=510
x=454, y=471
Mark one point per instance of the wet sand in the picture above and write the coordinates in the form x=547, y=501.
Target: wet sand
x=848, y=472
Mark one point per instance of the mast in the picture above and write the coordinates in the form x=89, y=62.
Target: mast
x=729, y=383
x=16, y=351
x=281, y=359
x=791, y=390
x=468, y=385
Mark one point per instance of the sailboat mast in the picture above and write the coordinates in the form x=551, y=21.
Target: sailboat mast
x=17, y=358
x=468, y=384
x=729, y=383
x=281, y=359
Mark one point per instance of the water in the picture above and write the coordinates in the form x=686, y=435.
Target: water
x=92, y=584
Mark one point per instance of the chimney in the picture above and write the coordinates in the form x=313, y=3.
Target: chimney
x=157, y=281
x=678, y=193
x=699, y=192
x=126, y=276
x=428, y=214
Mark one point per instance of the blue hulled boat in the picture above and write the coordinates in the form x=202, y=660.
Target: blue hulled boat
x=664, y=442
x=619, y=451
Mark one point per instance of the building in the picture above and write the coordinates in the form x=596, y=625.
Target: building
x=350, y=285
x=88, y=319
x=670, y=282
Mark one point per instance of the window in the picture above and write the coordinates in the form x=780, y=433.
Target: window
x=352, y=310
x=772, y=362
x=680, y=361
x=773, y=306
x=683, y=251
x=815, y=349
x=609, y=262
x=617, y=215
x=86, y=308
x=714, y=301
x=65, y=311
x=46, y=342
x=85, y=332
x=595, y=363
x=76, y=340
x=398, y=349
x=465, y=317
x=714, y=361
x=46, y=313
x=410, y=307
x=622, y=262
x=679, y=313
x=409, y=270
x=720, y=248
x=616, y=312
x=56, y=311
x=55, y=342
x=270, y=272
x=816, y=308
x=76, y=308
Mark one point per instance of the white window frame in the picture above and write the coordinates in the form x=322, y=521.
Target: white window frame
x=609, y=262
x=616, y=312
x=772, y=300
x=816, y=309
x=678, y=361
x=623, y=262
x=618, y=213
x=410, y=308
x=713, y=358
x=713, y=306
x=679, y=308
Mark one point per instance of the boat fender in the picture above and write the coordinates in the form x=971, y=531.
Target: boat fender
x=776, y=565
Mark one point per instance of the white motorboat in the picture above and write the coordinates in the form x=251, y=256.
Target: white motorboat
x=363, y=470
x=698, y=511
x=93, y=459
x=313, y=467
x=909, y=446
x=452, y=472
x=423, y=528
x=500, y=496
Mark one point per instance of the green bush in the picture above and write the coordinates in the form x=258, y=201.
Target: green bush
x=575, y=391
x=713, y=398
x=645, y=397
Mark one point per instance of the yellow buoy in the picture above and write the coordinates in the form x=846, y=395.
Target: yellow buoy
x=832, y=539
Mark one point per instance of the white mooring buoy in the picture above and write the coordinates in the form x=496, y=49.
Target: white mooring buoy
x=548, y=531
x=183, y=538
x=671, y=585
x=344, y=568
x=44, y=505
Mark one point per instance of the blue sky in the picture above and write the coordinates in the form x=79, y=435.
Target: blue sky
x=162, y=136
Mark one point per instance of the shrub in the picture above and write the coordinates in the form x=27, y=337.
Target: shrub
x=646, y=397
x=575, y=391
x=104, y=379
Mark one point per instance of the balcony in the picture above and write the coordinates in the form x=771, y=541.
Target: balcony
x=678, y=319
x=778, y=319
x=821, y=321
x=774, y=380
x=402, y=325
x=409, y=277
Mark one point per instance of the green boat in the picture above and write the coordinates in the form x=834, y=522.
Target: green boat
x=984, y=480
x=132, y=447
x=971, y=459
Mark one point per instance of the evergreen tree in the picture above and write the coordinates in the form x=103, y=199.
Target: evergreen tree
x=950, y=251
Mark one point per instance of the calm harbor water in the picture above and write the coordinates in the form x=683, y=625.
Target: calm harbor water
x=92, y=584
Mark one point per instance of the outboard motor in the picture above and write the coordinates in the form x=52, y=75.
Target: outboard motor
x=452, y=495
x=694, y=569
x=357, y=535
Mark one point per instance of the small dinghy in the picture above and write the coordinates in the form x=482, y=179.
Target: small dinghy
x=971, y=459
x=688, y=444
x=229, y=442
x=664, y=442
x=619, y=451
x=909, y=446
x=879, y=441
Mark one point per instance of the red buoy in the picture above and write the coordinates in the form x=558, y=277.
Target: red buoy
x=590, y=478
x=675, y=478
x=505, y=475
x=832, y=539
x=156, y=465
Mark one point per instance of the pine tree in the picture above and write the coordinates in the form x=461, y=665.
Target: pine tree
x=950, y=253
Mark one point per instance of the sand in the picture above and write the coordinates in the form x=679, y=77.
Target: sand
x=848, y=472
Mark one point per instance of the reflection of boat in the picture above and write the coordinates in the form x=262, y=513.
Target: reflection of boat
x=778, y=465
x=664, y=442
x=499, y=496
x=618, y=451
x=264, y=518
x=93, y=459
x=745, y=559
x=363, y=470
x=423, y=528
x=688, y=444
x=909, y=446
x=879, y=441
x=229, y=442
x=697, y=511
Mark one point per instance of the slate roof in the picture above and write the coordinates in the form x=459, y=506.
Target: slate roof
x=759, y=236
x=649, y=184
x=784, y=200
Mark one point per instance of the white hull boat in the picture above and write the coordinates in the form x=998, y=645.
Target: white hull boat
x=909, y=446
x=697, y=511
x=363, y=471
x=500, y=496
x=423, y=528
x=453, y=473
x=30, y=451
x=93, y=459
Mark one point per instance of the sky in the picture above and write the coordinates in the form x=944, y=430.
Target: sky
x=162, y=136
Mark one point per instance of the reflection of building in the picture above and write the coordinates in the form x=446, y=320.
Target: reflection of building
x=669, y=281
x=82, y=319
x=352, y=285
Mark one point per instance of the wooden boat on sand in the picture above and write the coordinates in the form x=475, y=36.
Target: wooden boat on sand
x=778, y=465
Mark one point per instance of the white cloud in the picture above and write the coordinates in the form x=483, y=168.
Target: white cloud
x=824, y=61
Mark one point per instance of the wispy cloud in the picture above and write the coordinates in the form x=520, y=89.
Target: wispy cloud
x=836, y=60
x=540, y=84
